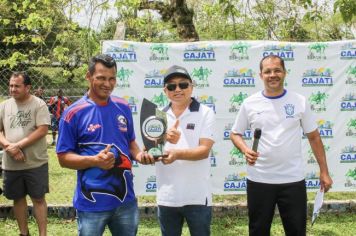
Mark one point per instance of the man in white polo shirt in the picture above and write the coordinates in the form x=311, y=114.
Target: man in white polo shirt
x=275, y=174
x=183, y=176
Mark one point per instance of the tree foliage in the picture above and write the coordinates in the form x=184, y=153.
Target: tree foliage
x=287, y=20
x=38, y=37
x=347, y=9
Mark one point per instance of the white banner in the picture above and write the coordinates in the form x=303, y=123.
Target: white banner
x=226, y=72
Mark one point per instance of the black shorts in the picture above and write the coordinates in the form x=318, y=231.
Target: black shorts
x=19, y=183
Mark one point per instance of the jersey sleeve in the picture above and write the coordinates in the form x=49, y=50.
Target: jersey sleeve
x=67, y=135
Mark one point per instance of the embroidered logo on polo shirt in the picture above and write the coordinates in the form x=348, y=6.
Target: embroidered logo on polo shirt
x=289, y=109
x=122, y=123
x=190, y=126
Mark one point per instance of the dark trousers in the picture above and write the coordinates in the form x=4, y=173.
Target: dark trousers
x=291, y=200
x=198, y=219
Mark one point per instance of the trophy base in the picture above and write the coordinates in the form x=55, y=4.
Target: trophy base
x=157, y=152
x=157, y=156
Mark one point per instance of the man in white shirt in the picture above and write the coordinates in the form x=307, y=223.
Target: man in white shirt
x=275, y=174
x=183, y=176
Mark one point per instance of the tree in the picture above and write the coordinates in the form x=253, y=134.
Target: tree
x=37, y=37
x=178, y=14
x=293, y=20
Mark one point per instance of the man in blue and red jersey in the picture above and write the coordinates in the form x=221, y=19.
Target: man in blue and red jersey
x=97, y=138
x=56, y=106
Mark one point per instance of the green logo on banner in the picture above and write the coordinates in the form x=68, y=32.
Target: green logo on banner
x=159, y=52
x=160, y=100
x=237, y=158
x=317, y=51
x=123, y=76
x=239, y=51
x=317, y=101
x=351, y=174
x=201, y=75
x=236, y=101
x=351, y=75
x=351, y=127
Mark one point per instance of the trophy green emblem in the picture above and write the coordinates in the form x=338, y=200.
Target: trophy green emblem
x=153, y=128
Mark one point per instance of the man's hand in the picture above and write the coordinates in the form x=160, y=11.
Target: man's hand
x=325, y=182
x=171, y=156
x=20, y=156
x=15, y=152
x=173, y=134
x=105, y=159
x=251, y=156
x=145, y=158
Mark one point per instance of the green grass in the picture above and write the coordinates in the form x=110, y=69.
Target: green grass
x=326, y=225
x=62, y=184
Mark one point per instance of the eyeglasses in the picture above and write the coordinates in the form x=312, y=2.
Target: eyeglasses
x=181, y=85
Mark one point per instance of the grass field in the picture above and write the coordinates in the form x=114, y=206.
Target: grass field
x=61, y=191
x=326, y=225
x=62, y=183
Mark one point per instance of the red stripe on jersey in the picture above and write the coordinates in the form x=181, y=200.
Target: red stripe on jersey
x=74, y=110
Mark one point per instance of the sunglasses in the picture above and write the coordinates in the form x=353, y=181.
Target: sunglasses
x=181, y=85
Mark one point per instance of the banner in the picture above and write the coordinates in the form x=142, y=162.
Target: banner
x=227, y=72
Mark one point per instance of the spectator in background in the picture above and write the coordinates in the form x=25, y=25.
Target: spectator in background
x=24, y=121
x=39, y=93
x=56, y=106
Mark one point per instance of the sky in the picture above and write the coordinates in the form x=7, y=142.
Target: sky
x=99, y=17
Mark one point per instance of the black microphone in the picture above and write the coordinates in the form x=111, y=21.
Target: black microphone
x=256, y=138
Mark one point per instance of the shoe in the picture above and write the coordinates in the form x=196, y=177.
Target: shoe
x=28, y=234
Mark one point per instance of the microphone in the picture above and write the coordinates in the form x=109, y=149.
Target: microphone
x=256, y=138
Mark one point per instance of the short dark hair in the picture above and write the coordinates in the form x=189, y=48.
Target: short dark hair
x=24, y=75
x=272, y=57
x=104, y=59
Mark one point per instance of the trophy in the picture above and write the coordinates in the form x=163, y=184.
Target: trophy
x=153, y=128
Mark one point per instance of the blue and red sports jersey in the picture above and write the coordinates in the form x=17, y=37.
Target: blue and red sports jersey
x=86, y=128
x=57, y=104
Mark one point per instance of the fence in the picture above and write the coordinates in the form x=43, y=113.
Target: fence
x=49, y=75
